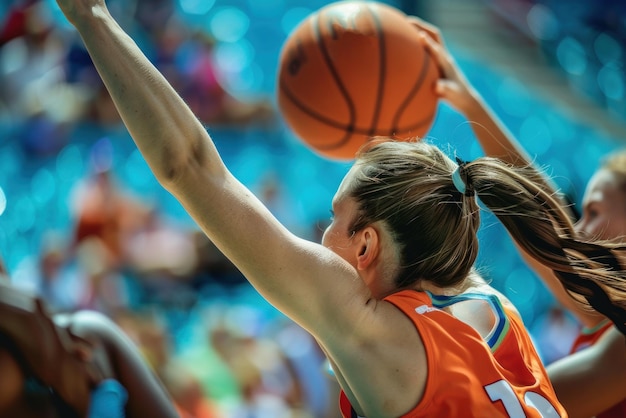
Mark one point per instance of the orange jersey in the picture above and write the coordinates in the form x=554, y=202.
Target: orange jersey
x=589, y=336
x=468, y=376
x=586, y=338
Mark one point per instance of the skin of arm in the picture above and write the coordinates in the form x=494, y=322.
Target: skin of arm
x=496, y=141
x=98, y=346
x=308, y=282
x=120, y=359
x=601, y=366
x=182, y=157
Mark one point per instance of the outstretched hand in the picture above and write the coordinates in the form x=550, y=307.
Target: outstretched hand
x=493, y=136
x=452, y=86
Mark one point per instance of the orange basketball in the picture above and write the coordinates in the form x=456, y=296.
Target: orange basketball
x=354, y=70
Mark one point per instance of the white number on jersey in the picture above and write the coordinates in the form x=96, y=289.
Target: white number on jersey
x=502, y=391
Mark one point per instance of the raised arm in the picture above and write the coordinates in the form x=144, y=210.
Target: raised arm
x=291, y=273
x=495, y=140
x=165, y=131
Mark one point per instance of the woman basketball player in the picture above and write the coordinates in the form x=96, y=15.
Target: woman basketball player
x=391, y=294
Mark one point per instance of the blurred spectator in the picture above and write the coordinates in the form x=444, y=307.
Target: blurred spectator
x=106, y=288
x=187, y=392
x=102, y=210
x=268, y=383
x=154, y=340
x=213, y=267
x=53, y=275
x=163, y=260
x=318, y=394
x=186, y=57
x=161, y=249
x=33, y=87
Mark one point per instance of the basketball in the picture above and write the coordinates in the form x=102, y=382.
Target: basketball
x=354, y=70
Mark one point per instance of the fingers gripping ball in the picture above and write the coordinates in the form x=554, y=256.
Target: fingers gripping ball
x=354, y=70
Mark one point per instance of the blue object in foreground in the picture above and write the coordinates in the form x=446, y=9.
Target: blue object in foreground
x=108, y=400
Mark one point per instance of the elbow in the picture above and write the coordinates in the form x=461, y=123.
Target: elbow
x=170, y=172
x=178, y=162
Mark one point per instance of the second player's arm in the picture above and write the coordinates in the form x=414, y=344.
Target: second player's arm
x=496, y=141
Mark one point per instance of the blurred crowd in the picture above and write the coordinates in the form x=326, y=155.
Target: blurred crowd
x=582, y=39
x=218, y=350
x=49, y=83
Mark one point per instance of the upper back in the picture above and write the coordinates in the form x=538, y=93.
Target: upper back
x=469, y=376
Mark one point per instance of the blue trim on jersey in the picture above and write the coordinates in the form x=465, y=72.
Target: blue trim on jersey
x=595, y=328
x=502, y=321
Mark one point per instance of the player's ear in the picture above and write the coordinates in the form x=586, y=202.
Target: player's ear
x=368, y=247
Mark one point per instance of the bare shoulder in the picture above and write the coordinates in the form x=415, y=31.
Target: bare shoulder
x=385, y=347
